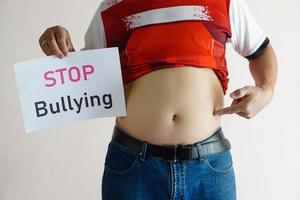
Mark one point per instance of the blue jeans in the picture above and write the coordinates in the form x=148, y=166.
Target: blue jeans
x=126, y=176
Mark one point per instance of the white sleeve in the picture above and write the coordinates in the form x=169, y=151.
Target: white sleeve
x=95, y=35
x=247, y=37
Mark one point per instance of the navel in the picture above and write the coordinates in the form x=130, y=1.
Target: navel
x=174, y=118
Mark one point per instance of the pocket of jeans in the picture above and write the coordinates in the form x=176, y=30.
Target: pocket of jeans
x=119, y=159
x=219, y=162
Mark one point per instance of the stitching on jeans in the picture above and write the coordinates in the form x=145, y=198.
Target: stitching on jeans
x=183, y=179
x=123, y=171
x=172, y=180
x=122, y=148
x=219, y=170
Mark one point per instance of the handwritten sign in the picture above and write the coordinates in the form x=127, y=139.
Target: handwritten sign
x=84, y=85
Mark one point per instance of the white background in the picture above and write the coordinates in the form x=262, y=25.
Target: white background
x=67, y=162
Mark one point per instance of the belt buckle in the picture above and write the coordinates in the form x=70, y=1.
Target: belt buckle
x=178, y=148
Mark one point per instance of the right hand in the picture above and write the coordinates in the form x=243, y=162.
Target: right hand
x=56, y=40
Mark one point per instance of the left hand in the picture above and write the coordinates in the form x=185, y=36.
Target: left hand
x=247, y=101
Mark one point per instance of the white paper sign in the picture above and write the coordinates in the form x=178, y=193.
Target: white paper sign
x=84, y=85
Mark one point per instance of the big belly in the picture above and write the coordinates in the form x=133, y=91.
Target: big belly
x=173, y=106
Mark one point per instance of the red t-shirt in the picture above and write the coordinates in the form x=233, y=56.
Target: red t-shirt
x=153, y=34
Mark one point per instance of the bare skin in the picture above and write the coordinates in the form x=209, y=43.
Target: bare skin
x=180, y=105
x=173, y=105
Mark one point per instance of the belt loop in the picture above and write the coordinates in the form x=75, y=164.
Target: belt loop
x=143, y=151
x=200, y=150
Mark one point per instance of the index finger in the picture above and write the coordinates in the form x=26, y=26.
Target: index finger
x=229, y=110
x=61, y=39
x=51, y=40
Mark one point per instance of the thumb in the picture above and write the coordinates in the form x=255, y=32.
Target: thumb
x=240, y=92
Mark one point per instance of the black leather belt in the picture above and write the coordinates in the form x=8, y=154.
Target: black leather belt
x=214, y=144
